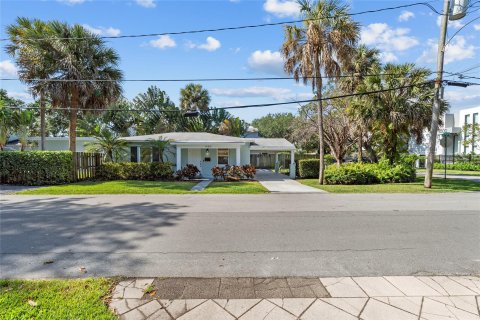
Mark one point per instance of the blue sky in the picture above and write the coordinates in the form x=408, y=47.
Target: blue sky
x=405, y=35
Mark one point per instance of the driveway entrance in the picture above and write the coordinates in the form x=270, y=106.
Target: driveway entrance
x=276, y=182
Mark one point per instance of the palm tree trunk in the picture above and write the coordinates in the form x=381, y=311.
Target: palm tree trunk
x=42, y=122
x=73, y=120
x=360, y=146
x=318, y=81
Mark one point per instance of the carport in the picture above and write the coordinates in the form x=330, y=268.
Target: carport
x=274, y=147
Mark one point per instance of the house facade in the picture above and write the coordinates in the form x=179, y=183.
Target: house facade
x=451, y=135
x=205, y=150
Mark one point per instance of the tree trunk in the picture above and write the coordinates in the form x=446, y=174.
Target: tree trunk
x=360, y=146
x=42, y=122
x=318, y=81
x=73, y=121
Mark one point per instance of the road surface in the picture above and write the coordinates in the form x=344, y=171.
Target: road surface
x=264, y=235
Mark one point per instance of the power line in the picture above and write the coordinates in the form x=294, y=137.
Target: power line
x=427, y=4
x=463, y=27
x=206, y=79
x=245, y=106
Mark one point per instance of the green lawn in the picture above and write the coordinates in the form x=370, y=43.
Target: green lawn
x=235, y=187
x=456, y=172
x=55, y=299
x=439, y=185
x=144, y=187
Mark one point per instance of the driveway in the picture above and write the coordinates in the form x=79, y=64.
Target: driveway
x=276, y=182
x=259, y=235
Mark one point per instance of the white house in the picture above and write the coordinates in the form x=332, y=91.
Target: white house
x=204, y=150
x=453, y=124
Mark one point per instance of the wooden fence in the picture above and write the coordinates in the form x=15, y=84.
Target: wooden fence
x=85, y=165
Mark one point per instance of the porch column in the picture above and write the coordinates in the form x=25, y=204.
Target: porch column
x=292, y=164
x=237, y=155
x=277, y=165
x=179, y=158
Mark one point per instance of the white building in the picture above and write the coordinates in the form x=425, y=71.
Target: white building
x=453, y=124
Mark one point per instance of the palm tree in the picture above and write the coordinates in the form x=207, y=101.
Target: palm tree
x=160, y=146
x=108, y=143
x=193, y=97
x=5, y=123
x=153, y=104
x=324, y=44
x=85, y=71
x=396, y=115
x=22, y=121
x=27, y=47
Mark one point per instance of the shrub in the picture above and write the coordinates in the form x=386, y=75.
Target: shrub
x=219, y=172
x=190, y=171
x=329, y=159
x=135, y=171
x=249, y=171
x=36, y=167
x=235, y=173
x=308, y=168
x=462, y=166
x=353, y=173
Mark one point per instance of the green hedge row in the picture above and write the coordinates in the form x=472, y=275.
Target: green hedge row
x=359, y=173
x=135, y=171
x=36, y=167
x=462, y=166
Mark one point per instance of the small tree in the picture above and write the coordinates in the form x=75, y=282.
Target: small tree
x=23, y=121
x=108, y=143
x=471, y=136
x=5, y=124
x=161, y=146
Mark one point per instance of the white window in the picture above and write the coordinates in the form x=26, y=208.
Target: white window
x=222, y=156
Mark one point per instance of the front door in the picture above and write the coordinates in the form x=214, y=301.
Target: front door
x=195, y=158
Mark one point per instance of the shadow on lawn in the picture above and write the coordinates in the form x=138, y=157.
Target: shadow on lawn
x=62, y=227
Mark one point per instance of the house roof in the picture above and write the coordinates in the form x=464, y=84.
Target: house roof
x=256, y=144
x=188, y=137
x=270, y=144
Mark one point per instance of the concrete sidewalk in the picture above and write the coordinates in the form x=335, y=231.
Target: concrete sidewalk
x=280, y=183
x=367, y=298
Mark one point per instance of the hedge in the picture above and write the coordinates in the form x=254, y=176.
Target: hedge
x=462, y=166
x=36, y=167
x=359, y=173
x=135, y=171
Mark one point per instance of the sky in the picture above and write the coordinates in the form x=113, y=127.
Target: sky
x=402, y=35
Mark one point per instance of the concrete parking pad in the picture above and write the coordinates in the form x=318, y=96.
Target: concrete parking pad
x=280, y=183
x=413, y=305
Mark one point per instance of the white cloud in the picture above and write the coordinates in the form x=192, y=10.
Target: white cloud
x=211, y=44
x=456, y=50
x=476, y=27
x=163, y=42
x=72, y=2
x=250, y=92
x=462, y=97
x=8, y=68
x=405, y=16
x=386, y=38
x=456, y=24
x=102, y=31
x=282, y=8
x=388, y=57
x=146, y=3
x=266, y=61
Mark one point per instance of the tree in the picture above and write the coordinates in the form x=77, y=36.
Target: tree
x=324, y=45
x=108, y=143
x=153, y=118
x=234, y=127
x=5, y=123
x=22, y=122
x=160, y=148
x=27, y=47
x=471, y=138
x=397, y=114
x=277, y=125
x=194, y=97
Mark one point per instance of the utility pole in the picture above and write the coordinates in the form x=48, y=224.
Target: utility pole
x=436, y=99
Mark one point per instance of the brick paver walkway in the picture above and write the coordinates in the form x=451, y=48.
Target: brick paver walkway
x=367, y=298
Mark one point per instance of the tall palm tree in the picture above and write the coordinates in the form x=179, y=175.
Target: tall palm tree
x=322, y=46
x=153, y=102
x=27, y=46
x=87, y=71
x=193, y=97
x=363, y=60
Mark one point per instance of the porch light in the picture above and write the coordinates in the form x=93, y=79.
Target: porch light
x=207, y=153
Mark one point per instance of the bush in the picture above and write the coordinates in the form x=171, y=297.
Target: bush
x=462, y=166
x=190, y=171
x=234, y=172
x=249, y=171
x=135, y=171
x=36, y=167
x=308, y=168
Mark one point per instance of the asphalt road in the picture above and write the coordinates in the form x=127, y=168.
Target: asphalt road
x=240, y=235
